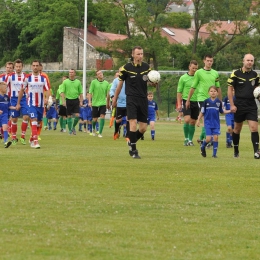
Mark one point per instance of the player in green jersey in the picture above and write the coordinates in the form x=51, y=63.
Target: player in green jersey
x=190, y=114
x=97, y=97
x=62, y=109
x=204, y=78
x=72, y=90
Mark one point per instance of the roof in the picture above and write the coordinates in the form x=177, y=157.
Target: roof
x=228, y=27
x=177, y=35
x=100, y=39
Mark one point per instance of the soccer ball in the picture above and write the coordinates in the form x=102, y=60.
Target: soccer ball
x=256, y=92
x=154, y=76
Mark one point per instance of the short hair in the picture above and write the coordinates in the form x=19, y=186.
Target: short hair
x=36, y=61
x=194, y=62
x=18, y=61
x=149, y=93
x=214, y=87
x=137, y=48
x=9, y=63
x=3, y=83
x=73, y=70
x=208, y=56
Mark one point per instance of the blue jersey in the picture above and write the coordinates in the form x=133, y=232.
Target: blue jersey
x=52, y=113
x=211, y=109
x=152, y=108
x=4, y=107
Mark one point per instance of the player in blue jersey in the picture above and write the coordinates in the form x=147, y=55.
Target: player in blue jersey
x=52, y=114
x=83, y=116
x=5, y=106
x=152, y=113
x=210, y=109
x=229, y=117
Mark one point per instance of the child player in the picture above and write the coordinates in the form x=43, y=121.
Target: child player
x=229, y=116
x=152, y=113
x=210, y=109
x=5, y=105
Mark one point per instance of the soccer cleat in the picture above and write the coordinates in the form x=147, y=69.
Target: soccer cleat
x=46, y=128
x=7, y=144
x=70, y=132
x=116, y=136
x=199, y=141
x=229, y=145
x=39, y=138
x=97, y=132
x=214, y=156
x=257, y=154
x=90, y=133
x=203, y=151
x=99, y=135
x=236, y=155
x=142, y=138
x=14, y=141
x=209, y=145
x=80, y=130
x=85, y=131
x=153, y=138
x=50, y=128
x=185, y=143
x=135, y=154
x=22, y=140
x=61, y=130
x=54, y=128
x=74, y=131
x=190, y=143
x=1, y=136
x=37, y=146
x=64, y=130
x=93, y=134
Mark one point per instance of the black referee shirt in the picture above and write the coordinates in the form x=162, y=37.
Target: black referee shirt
x=135, y=77
x=244, y=83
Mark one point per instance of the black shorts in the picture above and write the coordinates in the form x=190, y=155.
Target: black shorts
x=62, y=111
x=120, y=112
x=97, y=111
x=246, y=110
x=193, y=111
x=137, y=108
x=72, y=106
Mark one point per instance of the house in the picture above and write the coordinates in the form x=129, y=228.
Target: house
x=177, y=35
x=73, y=47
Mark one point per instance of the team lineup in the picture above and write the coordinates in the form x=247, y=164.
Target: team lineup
x=199, y=98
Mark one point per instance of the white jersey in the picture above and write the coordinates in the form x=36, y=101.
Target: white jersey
x=14, y=83
x=36, y=86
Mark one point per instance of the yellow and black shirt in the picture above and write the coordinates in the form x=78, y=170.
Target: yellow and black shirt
x=135, y=77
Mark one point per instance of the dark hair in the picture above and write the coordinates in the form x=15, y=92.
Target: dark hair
x=36, y=61
x=208, y=56
x=18, y=61
x=194, y=62
x=9, y=63
x=137, y=48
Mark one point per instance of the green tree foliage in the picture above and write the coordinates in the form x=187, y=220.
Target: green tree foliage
x=176, y=20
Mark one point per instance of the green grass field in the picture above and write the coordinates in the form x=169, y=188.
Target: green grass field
x=84, y=197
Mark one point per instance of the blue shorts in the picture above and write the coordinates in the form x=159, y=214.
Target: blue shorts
x=212, y=131
x=51, y=113
x=124, y=121
x=4, y=118
x=36, y=112
x=230, y=120
x=150, y=119
x=24, y=108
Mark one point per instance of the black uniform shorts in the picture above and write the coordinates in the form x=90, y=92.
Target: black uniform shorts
x=137, y=108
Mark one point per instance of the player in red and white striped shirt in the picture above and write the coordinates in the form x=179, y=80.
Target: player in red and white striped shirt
x=14, y=82
x=36, y=84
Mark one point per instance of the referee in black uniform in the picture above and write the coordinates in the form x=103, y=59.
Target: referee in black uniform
x=244, y=81
x=135, y=76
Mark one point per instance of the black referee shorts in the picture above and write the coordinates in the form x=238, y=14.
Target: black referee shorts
x=193, y=111
x=72, y=106
x=62, y=111
x=137, y=108
x=246, y=110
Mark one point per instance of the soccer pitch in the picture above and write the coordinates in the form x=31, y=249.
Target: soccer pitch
x=84, y=197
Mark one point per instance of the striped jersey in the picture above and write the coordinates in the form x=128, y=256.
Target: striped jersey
x=14, y=84
x=36, y=85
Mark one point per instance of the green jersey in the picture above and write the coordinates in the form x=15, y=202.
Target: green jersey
x=71, y=88
x=98, y=90
x=58, y=96
x=184, y=86
x=203, y=80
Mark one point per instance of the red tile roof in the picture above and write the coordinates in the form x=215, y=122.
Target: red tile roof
x=176, y=35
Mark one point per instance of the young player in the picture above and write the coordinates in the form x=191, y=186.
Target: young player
x=51, y=114
x=83, y=116
x=229, y=117
x=36, y=85
x=14, y=82
x=210, y=109
x=5, y=105
x=152, y=113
